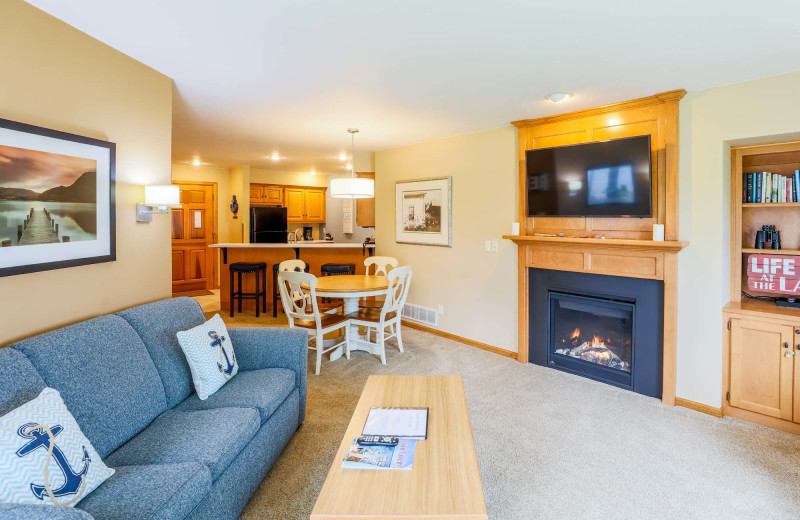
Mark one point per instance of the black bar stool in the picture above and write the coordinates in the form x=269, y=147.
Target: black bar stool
x=260, y=269
x=276, y=293
x=332, y=269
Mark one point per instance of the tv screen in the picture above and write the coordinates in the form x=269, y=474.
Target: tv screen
x=599, y=179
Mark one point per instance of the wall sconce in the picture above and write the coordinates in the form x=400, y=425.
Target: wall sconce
x=157, y=199
x=234, y=207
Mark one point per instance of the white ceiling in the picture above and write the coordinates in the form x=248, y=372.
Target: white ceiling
x=253, y=76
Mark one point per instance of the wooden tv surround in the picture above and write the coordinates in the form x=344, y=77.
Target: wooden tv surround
x=627, y=249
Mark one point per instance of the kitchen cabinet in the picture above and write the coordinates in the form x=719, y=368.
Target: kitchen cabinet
x=763, y=369
x=314, y=205
x=295, y=204
x=265, y=194
x=365, y=208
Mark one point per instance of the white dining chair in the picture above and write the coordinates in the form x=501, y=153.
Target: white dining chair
x=295, y=264
x=302, y=309
x=380, y=266
x=388, y=316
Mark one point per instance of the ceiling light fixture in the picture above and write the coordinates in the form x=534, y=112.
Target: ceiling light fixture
x=352, y=187
x=558, y=97
x=313, y=172
x=342, y=156
x=196, y=162
x=275, y=156
x=349, y=167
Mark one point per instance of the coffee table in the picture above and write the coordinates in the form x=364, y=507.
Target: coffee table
x=445, y=482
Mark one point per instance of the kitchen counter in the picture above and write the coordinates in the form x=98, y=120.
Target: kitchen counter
x=314, y=252
x=294, y=245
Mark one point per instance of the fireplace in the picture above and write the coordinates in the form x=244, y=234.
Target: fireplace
x=607, y=328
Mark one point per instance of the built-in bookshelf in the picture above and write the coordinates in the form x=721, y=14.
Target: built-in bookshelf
x=752, y=165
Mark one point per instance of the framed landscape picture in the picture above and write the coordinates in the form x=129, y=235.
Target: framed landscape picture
x=424, y=212
x=56, y=199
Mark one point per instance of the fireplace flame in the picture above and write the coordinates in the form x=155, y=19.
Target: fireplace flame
x=575, y=333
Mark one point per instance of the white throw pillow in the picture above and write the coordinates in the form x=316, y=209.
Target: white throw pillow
x=209, y=351
x=74, y=469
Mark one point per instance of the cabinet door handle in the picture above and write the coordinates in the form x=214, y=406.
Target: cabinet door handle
x=789, y=353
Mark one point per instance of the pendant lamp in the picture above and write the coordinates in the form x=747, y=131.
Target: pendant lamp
x=352, y=187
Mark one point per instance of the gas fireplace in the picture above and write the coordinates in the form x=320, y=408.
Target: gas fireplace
x=605, y=328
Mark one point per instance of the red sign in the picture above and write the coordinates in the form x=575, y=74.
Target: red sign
x=774, y=273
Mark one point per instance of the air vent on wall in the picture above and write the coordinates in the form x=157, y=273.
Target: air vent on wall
x=420, y=314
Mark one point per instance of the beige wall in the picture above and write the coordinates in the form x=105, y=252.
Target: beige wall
x=478, y=289
x=57, y=77
x=289, y=178
x=710, y=122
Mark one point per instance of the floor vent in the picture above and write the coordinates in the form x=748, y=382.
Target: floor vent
x=420, y=314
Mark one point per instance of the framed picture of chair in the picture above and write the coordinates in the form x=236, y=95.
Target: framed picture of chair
x=424, y=212
x=56, y=199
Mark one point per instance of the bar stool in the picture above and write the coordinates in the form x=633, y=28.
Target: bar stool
x=276, y=292
x=260, y=270
x=332, y=269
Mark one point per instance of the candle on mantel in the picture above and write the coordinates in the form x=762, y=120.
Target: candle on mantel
x=658, y=232
x=515, y=228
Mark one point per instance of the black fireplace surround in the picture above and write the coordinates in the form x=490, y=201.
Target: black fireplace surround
x=606, y=328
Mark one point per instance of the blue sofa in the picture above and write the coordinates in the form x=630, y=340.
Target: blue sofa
x=125, y=379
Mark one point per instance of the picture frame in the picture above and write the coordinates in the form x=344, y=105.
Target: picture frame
x=424, y=211
x=57, y=199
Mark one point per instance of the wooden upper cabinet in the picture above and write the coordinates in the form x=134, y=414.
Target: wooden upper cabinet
x=266, y=194
x=295, y=204
x=762, y=367
x=255, y=194
x=314, y=205
x=365, y=208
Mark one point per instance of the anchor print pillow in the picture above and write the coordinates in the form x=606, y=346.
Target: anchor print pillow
x=209, y=351
x=74, y=469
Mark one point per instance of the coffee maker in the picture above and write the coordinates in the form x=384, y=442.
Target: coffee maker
x=308, y=233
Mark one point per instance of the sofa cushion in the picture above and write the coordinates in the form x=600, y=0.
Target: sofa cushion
x=213, y=437
x=105, y=376
x=21, y=382
x=263, y=389
x=157, y=323
x=153, y=492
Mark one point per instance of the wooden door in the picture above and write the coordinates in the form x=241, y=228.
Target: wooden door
x=796, y=347
x=193, y=230
x=272, y=195
x=255, y=194
x=365, y=208
x=761, y=372
x=295, y=204
x=315, y=206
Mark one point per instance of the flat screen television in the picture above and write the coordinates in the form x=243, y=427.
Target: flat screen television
x=599, y=179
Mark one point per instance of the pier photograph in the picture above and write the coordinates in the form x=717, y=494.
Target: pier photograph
x=46, y=197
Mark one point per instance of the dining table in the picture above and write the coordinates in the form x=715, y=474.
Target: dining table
x=351, y=288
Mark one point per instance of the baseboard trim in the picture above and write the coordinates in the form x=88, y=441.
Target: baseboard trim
x=698, y=407
x=470, y=342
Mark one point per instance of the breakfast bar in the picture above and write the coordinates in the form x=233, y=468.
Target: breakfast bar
x=315, y=253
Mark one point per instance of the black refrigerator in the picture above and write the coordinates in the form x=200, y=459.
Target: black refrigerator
x=268, y=225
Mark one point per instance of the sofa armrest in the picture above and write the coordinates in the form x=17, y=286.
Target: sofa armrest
x=273, y=347
x=41, y=512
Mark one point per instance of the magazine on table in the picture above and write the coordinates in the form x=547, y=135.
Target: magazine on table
x=404, y=423
x=400, y=456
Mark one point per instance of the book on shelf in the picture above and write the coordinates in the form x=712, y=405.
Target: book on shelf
x=768, y=187
x=759, y=187
x=405, y=423
x=400, y=456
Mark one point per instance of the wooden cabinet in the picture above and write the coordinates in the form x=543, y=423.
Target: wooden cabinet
x=315, y=205
x=365, y=208
x=295, y=204
x=762, y=372
x=266, y=195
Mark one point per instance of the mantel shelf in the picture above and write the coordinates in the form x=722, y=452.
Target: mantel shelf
x=669, y=246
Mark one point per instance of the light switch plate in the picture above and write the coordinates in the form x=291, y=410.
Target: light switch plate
x=487, y=245
x=494, y=246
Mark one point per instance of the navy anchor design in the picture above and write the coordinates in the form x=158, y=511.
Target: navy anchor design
x=40, y=439
x=217, y=342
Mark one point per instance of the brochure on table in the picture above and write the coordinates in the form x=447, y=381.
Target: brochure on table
x=405, y=423
x=400, y=456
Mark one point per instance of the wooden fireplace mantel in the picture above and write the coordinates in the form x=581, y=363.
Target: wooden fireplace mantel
x=628, y=249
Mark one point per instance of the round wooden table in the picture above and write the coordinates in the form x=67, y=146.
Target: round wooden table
x=351, y=288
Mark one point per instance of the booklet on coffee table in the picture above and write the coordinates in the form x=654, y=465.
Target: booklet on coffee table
x=405, y=423
x=400, y=456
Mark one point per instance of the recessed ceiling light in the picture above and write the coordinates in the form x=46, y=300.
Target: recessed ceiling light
x=342, y=156
x=275, y=156
x=313, y=172
x=349, y=166
x=196, y=162
x=558, y=97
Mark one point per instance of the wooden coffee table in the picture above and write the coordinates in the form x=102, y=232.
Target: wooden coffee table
x=445, y=482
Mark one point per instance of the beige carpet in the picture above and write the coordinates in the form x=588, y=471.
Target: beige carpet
x=553, y=445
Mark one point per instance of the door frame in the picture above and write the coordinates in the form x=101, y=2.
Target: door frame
x=214, y=220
